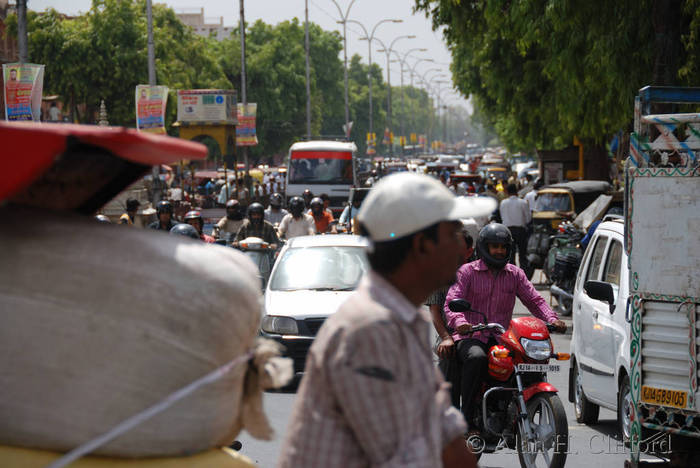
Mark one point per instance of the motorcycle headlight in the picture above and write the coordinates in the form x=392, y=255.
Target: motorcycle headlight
x=538, y=350
x=279, y=325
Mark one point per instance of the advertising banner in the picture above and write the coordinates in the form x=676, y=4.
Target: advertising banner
x=24, y=85
x=207, y=106
x=245, y=131
x=150, y=108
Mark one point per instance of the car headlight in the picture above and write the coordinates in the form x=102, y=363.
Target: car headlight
x=280, y=325
x=538, y=350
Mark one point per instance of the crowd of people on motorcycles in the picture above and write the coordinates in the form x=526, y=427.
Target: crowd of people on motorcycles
x=306, y=215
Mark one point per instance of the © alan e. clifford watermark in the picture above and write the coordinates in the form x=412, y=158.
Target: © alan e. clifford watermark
x=597, y=444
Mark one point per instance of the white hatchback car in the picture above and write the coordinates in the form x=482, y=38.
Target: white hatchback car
x=313, y=275
x=600, y=348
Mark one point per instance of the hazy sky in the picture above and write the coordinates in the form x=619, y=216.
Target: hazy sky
x=324, y=13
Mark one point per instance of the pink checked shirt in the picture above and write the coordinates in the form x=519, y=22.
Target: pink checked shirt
x=494, y=296
x=371, y=396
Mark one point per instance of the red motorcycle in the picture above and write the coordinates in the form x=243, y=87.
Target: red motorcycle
x=517, y=407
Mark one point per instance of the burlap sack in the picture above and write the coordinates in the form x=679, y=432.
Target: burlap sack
x=98, y=322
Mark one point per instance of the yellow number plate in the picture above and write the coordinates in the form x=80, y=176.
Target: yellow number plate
x=663, y=397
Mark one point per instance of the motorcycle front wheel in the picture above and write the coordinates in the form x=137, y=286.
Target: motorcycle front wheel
x=551, y=433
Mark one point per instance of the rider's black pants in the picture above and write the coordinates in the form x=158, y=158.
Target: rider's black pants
x=472, y=355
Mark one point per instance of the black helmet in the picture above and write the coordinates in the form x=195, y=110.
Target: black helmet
x=276, y=200
x=296, y=206
x=316, y=205
x=256, y=208
x=195, y=215
x=185, y=230
x=164, y=206
x=307, y=194
x=494, y=233
x=233, y=204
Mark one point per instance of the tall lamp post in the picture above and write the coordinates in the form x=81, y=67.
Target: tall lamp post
x=388, y=50
x=369, y=37
x=308, y=75
x=402, y=61
x=344, y=22
x=244, y=98
x=413, y=68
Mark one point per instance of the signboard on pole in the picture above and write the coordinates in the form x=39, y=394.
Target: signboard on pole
x=150, y=108
x=207, y=105
x=245, y=131
x=24, y=83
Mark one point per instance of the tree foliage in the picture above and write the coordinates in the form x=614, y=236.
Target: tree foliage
x=542, y=71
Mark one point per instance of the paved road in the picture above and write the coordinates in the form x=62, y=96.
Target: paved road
x=598, y=445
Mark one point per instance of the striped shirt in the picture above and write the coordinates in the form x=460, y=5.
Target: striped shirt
x=494, y=296
x=371, y=396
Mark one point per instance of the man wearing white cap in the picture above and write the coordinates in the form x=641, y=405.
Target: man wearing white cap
x=371, y=395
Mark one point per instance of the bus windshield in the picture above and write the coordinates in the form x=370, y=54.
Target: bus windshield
x=316, y=170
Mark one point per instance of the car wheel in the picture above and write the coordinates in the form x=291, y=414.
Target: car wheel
x=624, y=409
x=585, y=411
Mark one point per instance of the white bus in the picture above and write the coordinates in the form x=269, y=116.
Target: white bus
x=322, y=167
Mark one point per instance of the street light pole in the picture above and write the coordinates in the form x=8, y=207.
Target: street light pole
x=308, y=76
x=244, y=97
x=22, y=30
x=151, y=48
x=344, y=22
x=388, y=50
x=413, y=68
x=402, y=61
x=369, y=38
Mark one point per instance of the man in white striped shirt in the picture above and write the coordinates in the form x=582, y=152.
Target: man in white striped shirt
x=516, y=215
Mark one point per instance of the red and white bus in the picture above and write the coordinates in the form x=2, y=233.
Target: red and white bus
x=322, y=167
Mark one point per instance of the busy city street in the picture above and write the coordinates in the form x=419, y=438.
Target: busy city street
x=598, y=445
x=349, y=234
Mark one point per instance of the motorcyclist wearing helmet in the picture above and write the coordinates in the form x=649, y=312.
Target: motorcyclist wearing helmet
x=274, y=213
x=228, y=226
x=194, y=218
x=296, y=223
x=186, y=230
x=256, y=226
x=307, y=196
x=322, y=219
x=491, y=285
x=164, y=209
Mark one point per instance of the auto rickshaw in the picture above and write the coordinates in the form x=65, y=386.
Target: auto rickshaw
x=554, y=204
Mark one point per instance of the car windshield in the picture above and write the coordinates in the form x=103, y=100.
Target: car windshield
x=320, y=268
x=553, y=202
x=320, y=171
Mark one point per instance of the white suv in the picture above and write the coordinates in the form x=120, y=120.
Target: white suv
x=600, y=349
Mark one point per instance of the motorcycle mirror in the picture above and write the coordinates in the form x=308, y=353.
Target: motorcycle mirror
x=459, y=305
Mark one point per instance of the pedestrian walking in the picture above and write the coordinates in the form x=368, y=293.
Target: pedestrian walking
x=516, y=215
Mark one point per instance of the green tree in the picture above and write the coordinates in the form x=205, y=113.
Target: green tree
x=542, y=71
x=103, y=55
x=276, y=81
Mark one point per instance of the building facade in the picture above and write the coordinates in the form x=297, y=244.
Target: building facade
x=203, y=26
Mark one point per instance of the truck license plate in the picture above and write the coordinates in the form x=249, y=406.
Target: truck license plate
x=539, y=367
x=664, y=397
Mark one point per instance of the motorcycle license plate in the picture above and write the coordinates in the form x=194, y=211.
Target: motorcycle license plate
x=663, y=397
x=539, y=367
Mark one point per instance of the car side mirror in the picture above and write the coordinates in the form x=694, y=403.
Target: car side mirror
x=601, y=291
x=459, y=305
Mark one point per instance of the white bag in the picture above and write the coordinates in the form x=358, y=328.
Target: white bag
x=99, y=322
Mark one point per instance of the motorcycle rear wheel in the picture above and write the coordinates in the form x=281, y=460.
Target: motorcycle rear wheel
x=548, y=422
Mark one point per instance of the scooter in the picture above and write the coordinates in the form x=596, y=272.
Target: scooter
x=518, y=408
x=564, y=258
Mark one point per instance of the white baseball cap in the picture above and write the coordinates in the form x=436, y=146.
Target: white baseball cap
x=404, y=203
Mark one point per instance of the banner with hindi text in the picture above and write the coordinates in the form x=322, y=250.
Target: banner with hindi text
x=23, y=84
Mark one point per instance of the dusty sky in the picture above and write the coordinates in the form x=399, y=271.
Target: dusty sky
x=325, y=13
